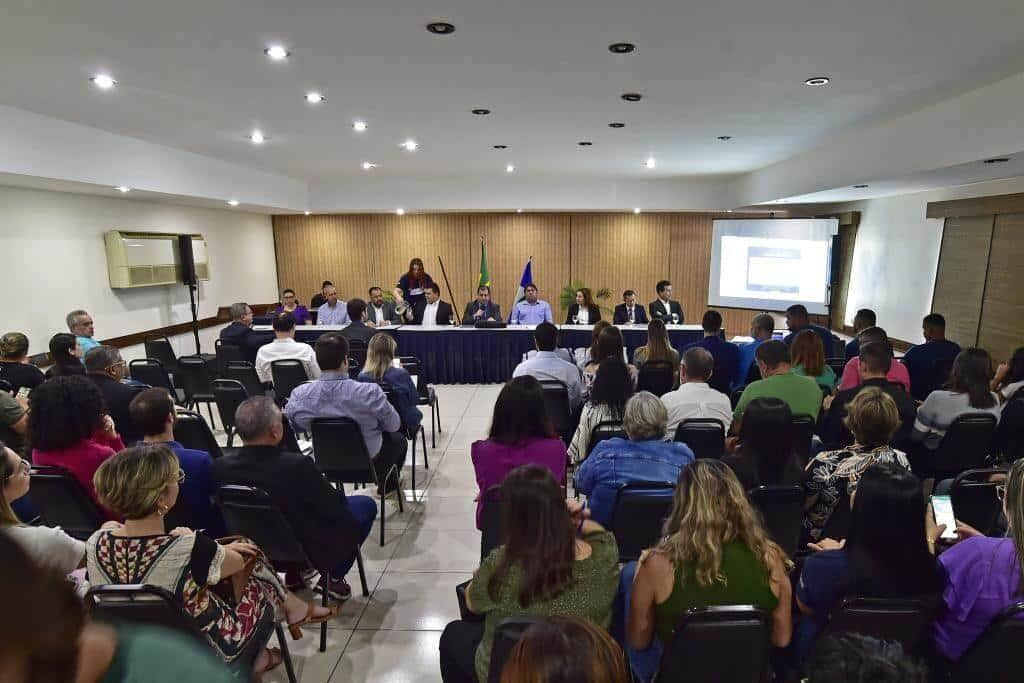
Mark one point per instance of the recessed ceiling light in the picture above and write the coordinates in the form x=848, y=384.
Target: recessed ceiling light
x=616, y=124
x=441, y=28
x=257, y=137
x=103, y=81
x=636, y=210
x=500, y=146
x=651, y=162
x=359, y=126
x=860, y=187
x=519, y=210
x=400, y=211
x=305, y=213
x=817, y=80
x=723, y=138
x=510, y=169
x=997, y=160
x=621, y=48
x=314, y=97
x=367, y=165
x=481, y=112
x=278, y=53
x=123, y=189
x=232, y=202
x=410, y=145
x=632, y=96
x=584, y=143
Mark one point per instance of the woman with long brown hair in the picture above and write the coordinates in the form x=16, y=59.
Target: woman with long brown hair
x=553, y=561
x=609, y=344
x=562, y=649
x=715, y=552
x=584, y=355
x=411, y=289
x=658, y=346
x=584, y=311
x=968, y=391
x=808, y=359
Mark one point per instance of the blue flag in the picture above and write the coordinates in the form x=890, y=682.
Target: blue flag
x=526, y=279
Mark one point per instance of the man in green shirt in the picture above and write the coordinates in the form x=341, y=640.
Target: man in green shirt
x=801, y=393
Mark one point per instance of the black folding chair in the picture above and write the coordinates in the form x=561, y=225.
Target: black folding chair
x=837, y=527
x=604, y=430
x=993, y=656
x=491, y=528
x=1010, y=433
x=837, y=364
x=721, y=643
x=229, y=394
x=196, y=377
x=428, y=397
x=152, y=372
x=227, y=353
x=342, y=456
x=357, y=349
x=657, y=377
x=506, y=636
x=975, y=501
x=62, y=501
x=6, y=387
x=906, y=621
x=191, y=431
x=410, y=434
x=639, y=515
x=803, y=437
x=966, y=445
x=556, y=404
x=782, y=509
x=160, y=348
x=287, y=374
x=245, y=372
x=734, y=397
x=704, y=435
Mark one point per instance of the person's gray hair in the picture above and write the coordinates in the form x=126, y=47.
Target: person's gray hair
x=699, y=363
x=72, y=318
x=239, y=310
x=645, y=417
x=255, y=417
x=763, y=321
x=99, y=358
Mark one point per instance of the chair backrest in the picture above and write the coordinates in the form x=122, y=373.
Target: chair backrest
x=287, y=374
x=606, y=429
x=1010, y=433
x=340, y=450
x=993, y=656
x=506, y=636
x=906, y=621
x=708, y=642
x=251, y=512
x=782, y=509
x=357, y=349
x=491, y=527
x=289, y=444
x=140, y=603
x=62, y=501
x=556, y=403
x=837, y=526
x=639, y=515
x=657, y=377
x=975, y=501
x=966, y=445
x=803, y=437
x=734, y=397
x=160, y=348
x=227, y=353
x=704, y=435
x=5, y=386
x=191, y=431
x=152, y=372
x=414, y=367
x=229, y=394
x=837, y=364
x=245, y=372
x=196, y=377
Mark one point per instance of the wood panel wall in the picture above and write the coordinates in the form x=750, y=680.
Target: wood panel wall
x=1001, y=329
x=960, y=279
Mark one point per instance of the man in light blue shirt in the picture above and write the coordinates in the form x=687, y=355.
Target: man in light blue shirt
x=547, y=365
x=81, y=325
x=532, y=311
x=333, y=312
x=761, y=329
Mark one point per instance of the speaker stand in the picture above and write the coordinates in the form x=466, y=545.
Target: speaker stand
x=192, y=288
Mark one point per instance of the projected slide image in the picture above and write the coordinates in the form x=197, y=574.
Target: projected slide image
x=773, y=271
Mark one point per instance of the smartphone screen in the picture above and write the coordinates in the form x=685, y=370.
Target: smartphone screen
x=396, y=363
x=23, y=392
x=942, y=506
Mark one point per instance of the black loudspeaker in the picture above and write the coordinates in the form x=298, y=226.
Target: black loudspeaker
x=835, y=268
x=188, y=261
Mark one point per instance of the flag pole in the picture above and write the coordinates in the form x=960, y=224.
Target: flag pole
x=451, y=296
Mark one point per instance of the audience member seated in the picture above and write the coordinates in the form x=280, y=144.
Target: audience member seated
x=862, y=320
x=983, y=575
x=801, y=394
x=872, y=418
x=48, y=637
x=154, y=415
x=106, y=369
x=968, y=392
x=320, y=298
x=669, y=311
x=607, y=402
x=658, y=346
x=140, y=484
x=560, y=649
x=284, y=347
x=332, y=311
x=808, y=358
x=434, y=312
x=330, y=525
x=482, y=308
x=1008, y=379
x=81, y=325
x=69, y=428
x=764, y=455
x=857, y=657
x=532, y=310
x=583, y=356
x=726, y=354
x=873, y=365
x=289, y=304
x=14, y=365
x=553, y=561
x=715, y=552
x=14, y=422
x=797, y=319
x=48, y=547
x=380, y=312
x=66, y=355
x=546, y=365
x=609, y=345
x=628, y=313
x=583, y=311
x=521, y=434
x=380, y=368
x=239, y=332
x=644, y=456
x=358, y=329
x=927, y=363
x=898, y=373
x=695, y=398
x=335, y=395
x=888, y=552
x=762, y=327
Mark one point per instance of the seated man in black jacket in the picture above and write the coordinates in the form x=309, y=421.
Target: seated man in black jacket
x=330, y=526
x=106, y=369
x=875, y=359
x=240, y=333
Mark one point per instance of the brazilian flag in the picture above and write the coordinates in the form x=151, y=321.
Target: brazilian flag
x=485, y=274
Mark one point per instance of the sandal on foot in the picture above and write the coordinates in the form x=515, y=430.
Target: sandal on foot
x=295, y=629
x=274, y=660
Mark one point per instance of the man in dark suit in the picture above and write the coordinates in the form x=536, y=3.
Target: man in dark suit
x=628, y=313
x=357, y=330
x=106, y=369
x=240, y=333
x=330, y=526
x=433, y=311
x=726, y=355
x=482, y=308
x=670, y=312
x=381, y=312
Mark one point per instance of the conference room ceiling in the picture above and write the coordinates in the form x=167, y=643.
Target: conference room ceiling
x=192, y=75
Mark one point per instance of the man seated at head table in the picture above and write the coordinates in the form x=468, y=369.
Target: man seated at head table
x=628, y=313
x=482, y=308
x=670, y=312
x=435, y=312
x=334, y=311
x=381, y=312
x=532, y=310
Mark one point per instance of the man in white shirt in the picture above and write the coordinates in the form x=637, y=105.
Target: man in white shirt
x=436, y=312
x=695, y=398
x=284, y=347
x=547, y=365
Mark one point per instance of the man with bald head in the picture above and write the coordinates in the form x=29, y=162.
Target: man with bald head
x=695, y=398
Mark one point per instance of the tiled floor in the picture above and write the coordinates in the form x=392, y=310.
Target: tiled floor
x=392, y=636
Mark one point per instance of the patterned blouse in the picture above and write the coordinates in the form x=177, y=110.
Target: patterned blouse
x=187, y=566
x=834, y=474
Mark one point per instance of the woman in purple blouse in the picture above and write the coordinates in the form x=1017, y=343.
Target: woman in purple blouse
x=290, y=305
x=983, y=574
x=521, y=434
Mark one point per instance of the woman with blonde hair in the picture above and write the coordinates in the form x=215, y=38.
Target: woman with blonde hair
x=808, y=358
x=380, y=368
x=715, y=552
x=658, y=346
x=561, y=649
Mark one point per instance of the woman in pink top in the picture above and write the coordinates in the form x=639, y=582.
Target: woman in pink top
x=71, y=429
x=898, y=373
x=521, y=434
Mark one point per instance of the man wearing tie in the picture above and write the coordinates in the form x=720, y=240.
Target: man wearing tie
x=628, y=313
x=481, y=309
x=670, y=312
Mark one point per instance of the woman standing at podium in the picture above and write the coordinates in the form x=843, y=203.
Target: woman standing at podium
x=411, y=288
